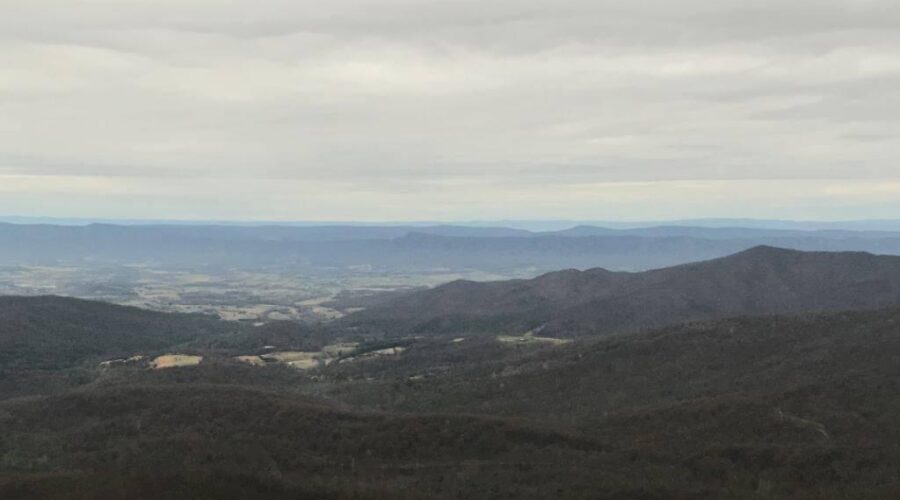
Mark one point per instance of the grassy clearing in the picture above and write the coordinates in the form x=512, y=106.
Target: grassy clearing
x=530, y=338
x=305, y=360
x=252, y=360
x=174, y=361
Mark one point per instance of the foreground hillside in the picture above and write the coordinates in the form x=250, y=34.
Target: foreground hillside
x=56, y=332
x=763, y=280
x=220, y=441
x=768, y=407
x=793, y=407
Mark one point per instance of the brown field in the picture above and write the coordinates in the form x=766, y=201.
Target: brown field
x=174, y=361
x=253, y=360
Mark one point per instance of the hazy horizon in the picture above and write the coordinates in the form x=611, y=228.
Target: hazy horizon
x=534, y=225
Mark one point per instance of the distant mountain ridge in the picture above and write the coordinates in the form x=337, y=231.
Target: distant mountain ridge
x=762, y=280
x=533, y=225
x=405, y=248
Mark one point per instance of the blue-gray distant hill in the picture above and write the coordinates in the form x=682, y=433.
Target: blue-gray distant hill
x=407, y=248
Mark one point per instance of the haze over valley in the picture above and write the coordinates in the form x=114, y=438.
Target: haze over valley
x=256, y=273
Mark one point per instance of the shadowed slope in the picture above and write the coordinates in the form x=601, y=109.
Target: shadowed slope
x=762, y=280
x=55, y=332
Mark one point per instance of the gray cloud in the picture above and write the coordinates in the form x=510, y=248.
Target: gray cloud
x=529, y=104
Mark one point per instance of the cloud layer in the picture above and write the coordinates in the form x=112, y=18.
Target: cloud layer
x=425, y=109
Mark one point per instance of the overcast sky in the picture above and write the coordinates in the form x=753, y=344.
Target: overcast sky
x=442, y=110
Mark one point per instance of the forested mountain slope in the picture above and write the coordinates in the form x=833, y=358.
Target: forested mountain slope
x=762, y=280
x=56, y=332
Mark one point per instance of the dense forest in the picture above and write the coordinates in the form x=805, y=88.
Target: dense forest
x=761, y=280
x=774, y=406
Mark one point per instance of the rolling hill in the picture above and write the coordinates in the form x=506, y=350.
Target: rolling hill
x=762, y=280
x=772, y=406
x=56, y=332
x=226, y=441
x=798, y=405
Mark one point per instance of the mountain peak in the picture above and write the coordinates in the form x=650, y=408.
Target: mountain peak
x=767, y=251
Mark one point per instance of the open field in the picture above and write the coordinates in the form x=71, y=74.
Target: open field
x=340, y=353
x=175, y=361
x=302, y=360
